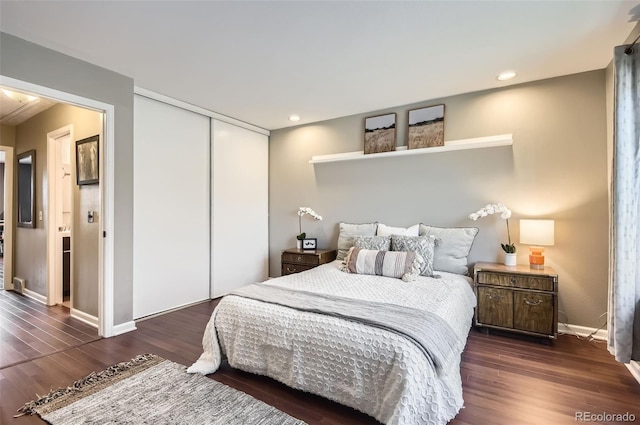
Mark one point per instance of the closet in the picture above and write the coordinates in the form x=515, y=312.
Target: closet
x=200, y=225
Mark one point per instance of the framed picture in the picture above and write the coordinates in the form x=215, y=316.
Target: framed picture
x=309, y=243
x=87, y=161
x=426, y=127
x=380, y=133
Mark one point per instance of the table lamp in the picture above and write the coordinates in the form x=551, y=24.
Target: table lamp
x=536, y=233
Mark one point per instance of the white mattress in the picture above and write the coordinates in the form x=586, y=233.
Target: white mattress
x=375, y=371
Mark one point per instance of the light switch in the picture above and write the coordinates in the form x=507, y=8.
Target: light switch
x=90, y=216
x=40, y=215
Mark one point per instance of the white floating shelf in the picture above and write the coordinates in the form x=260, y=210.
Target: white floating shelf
x=451, y=145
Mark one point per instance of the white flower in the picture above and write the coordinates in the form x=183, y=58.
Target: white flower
x=505, y=213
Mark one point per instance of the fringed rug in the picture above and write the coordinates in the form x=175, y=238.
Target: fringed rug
x=151, y=390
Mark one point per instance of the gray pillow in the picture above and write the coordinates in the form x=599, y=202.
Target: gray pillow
x=348, y=233
x=453, y=248
x=423, y=245
x=376, y=243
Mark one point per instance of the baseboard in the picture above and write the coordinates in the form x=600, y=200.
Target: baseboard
x=124, y=328
x=634, y=368
x=34, y=296
x=84, y=317
x=583, y=331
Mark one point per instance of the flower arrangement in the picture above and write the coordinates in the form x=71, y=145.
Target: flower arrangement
x=505, y=213
x=302, y=211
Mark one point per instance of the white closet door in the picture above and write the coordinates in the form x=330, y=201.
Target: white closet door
x=171, y=207
x=240, y=208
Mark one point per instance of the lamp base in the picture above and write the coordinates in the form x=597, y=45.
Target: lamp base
x=536, y=258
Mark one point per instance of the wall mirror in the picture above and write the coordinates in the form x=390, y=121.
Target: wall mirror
x=26, y=188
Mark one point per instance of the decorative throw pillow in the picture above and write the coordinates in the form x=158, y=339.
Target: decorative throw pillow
x=423, y=245
x=380, y=243
x=399, y=265
x=454, y=246
x=384, y=230
x=348, y=233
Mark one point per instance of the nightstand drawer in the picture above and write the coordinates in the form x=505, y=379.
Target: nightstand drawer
x=300, y=259
x=495, y=307
x=533, y=312
x=294, y=268
x=516, y=281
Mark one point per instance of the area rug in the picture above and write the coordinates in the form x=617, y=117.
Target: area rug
x=151, y=390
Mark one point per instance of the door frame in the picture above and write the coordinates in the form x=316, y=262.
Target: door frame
x=54, y=248
x=107, y=179
x=9, y=158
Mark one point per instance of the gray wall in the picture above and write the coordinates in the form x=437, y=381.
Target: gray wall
x=35, y=64
x=556, y=168
x=30, y=244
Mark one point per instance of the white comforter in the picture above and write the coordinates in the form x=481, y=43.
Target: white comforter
x=375, y=371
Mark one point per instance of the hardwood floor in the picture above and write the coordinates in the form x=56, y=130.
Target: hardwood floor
x=29, y=330
x=506, y=380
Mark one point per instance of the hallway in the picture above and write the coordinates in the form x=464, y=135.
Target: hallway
x=29, y=330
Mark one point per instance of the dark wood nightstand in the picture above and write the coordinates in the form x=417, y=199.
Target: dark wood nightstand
x=518, y=299
x=295, y=260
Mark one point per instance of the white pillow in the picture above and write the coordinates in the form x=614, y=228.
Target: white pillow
x=384, y=230
x=347, y=234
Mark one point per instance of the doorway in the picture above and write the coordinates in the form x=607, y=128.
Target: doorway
x=105, y=243
x=60, y=217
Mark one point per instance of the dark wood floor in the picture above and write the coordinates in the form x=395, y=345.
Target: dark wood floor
x=506, y=380
x=29, y=330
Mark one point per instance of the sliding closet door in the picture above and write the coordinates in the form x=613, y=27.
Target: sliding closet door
x=239, y=206
x=171, y=207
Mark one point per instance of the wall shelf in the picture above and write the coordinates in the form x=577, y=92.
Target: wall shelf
x=451, y=145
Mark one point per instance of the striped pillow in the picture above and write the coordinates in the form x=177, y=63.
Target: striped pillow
x=402, y=265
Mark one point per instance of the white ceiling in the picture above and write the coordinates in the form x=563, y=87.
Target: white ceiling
x=262, y=61
x=16, y=111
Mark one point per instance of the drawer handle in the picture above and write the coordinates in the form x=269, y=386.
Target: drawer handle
x=291, y=270
x=299, y=258
x=513, y=280
x=527, y=302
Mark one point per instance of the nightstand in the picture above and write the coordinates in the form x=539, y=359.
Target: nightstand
x=297, y=260
x=518, y=299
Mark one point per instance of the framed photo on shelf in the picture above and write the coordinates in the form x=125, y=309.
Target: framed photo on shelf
x=309, y=243
x=87, y=161
x=426, y=127
x=380, y=133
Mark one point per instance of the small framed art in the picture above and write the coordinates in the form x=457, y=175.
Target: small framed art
x=309, y=243
x=380, y=133
x=426, y=127
x=87, y=160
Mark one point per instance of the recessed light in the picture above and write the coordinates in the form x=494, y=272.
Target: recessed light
x=20, y=97
x=294, y=117
x=507, y=75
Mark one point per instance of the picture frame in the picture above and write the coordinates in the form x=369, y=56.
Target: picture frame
x=88, y=161
x=309, y=244
x=426, y=127
x=380, y=133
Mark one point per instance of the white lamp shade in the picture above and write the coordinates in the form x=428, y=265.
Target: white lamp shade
x=537, y=232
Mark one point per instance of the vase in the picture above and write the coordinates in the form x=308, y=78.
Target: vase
x=298, y=244
x=510, y=259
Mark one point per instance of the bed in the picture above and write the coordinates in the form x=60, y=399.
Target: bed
x=363, y=364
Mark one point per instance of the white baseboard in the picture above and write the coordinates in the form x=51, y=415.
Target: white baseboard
x=584, y=331
x=84, y=317
x=34, y=296
x=634, y=368
x=124, y=328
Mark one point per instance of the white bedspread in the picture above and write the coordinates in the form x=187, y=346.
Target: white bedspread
x=375, y=371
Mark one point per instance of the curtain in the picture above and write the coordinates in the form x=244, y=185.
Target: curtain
x=624, y=279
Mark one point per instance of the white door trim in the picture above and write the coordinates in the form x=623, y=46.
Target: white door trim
x=54, y=249
x=9, y=159
x=107, y=179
